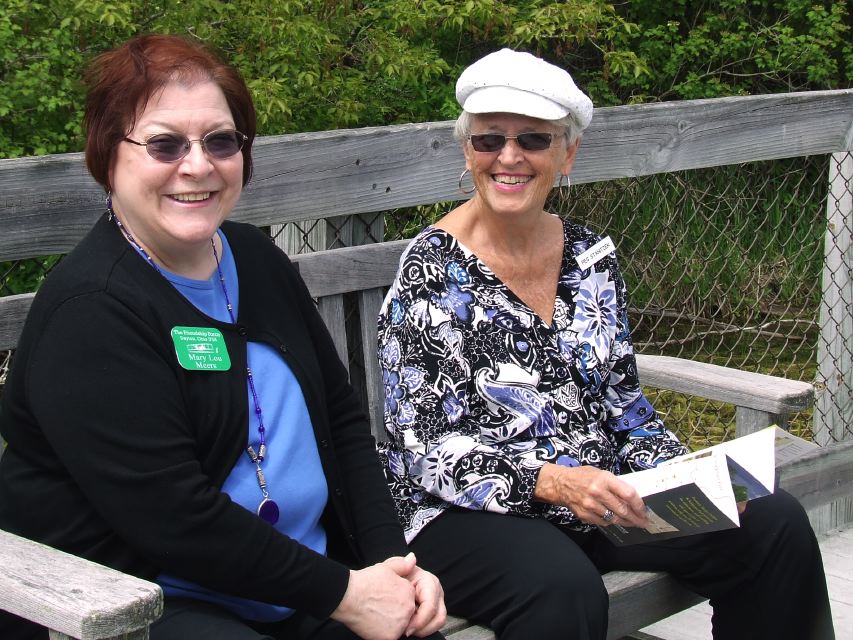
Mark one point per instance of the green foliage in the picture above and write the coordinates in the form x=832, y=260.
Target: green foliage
x=737, y=47
x=311, y=65
x=24, y=276
x=325, y=64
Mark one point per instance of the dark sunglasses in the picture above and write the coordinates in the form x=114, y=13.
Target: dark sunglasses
x=171, y=147
x=491, y=142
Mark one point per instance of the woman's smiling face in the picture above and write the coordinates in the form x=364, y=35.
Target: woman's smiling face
x=512, y=180
x=175, y=206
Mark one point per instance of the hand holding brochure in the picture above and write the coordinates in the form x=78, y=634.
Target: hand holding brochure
x=699, y=492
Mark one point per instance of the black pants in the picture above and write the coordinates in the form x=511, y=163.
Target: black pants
x=194, y=620
x=526, y=578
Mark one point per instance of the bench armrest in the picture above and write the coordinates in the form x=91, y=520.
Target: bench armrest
x=757, y=391
x=73, y=596
x=821, y=476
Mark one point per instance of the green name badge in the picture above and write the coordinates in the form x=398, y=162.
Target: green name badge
x=201, y=349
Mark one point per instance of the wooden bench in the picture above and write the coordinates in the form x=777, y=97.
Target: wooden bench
x=80, y=599
x=49, y=203
x=637, y=599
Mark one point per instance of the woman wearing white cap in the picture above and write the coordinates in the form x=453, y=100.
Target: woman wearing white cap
x=511, y=390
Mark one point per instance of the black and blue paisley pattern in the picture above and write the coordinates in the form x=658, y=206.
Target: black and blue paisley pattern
x=480, y=392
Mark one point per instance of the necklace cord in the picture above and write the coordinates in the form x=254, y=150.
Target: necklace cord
x=268, y=509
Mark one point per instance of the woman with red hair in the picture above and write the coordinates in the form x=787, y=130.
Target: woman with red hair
x=177, y=409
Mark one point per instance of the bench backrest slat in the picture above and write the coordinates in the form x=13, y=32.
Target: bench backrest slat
x=369, y=303
x=332, y=311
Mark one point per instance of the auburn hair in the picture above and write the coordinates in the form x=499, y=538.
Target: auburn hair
x=120, y=83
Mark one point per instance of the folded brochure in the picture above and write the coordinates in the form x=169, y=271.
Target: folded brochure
x=699, y=492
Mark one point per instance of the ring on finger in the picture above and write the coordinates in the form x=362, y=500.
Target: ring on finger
x=608, y=516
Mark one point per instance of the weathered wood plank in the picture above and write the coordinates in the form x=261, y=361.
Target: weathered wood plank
x=740, y=388
x=369, y=302
x=473, y=633
x=639, y=598
x=49, y=202
x=139, y=634
x=327, y=273
x=834, y=405
x=71, y=595
x=350, y=268
x=750, y=420
x=822, y=476
x=13, y=312
x=331, y=309
x=454, y=624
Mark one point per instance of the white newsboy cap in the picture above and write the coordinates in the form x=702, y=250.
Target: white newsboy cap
x=508, y=81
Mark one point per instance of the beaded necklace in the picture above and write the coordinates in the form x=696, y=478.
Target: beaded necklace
x=268, y=508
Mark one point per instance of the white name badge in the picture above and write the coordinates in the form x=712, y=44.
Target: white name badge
x=596, y=252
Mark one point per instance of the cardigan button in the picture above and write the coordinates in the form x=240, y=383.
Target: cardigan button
x=339, y=492
x=282, y=348
x=324, y=444
x=243, y=331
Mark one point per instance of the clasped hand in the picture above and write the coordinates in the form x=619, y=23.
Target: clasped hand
x=391, y=599
x=590, y=493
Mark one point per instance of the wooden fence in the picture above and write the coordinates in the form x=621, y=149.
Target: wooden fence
x=48, y=203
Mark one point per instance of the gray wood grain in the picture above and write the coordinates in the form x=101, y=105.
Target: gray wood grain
x=331, y=309
x=474, y=632
x=139, y=634
x=72, y=595
x=751, y=420
x=638, y=598
x=834, y=406
x=350, y=269
x=725, y=384
x=49, y=202
x=822, y=476
x=369, y=302
x=453, y=624
x=13, y=313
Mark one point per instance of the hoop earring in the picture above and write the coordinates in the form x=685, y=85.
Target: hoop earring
x=473, y=187
x=563, y=190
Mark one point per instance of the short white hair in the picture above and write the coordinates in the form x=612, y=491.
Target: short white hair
x=462, y=128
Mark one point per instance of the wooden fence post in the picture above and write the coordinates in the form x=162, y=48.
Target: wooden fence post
x=303, y=236
x=833, y=415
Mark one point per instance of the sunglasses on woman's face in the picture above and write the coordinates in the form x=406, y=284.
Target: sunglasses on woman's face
x=171, y=147
x=491, y=142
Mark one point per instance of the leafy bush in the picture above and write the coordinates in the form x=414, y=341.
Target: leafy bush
x=325, y=64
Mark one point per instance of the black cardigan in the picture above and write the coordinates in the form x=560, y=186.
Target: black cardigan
x=117, y=454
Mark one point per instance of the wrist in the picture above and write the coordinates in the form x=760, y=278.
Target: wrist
x=341, y=613
x=547, y=485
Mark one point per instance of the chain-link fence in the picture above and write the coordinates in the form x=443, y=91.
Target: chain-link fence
x=731, y=265
x=724, y=265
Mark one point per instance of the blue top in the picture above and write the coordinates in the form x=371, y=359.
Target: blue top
x=295, y=479
x=481, y=392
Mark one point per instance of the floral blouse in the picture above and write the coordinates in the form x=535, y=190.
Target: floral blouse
x=480, y=392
